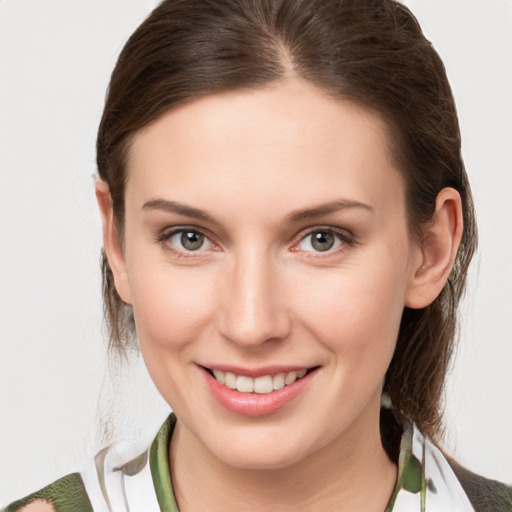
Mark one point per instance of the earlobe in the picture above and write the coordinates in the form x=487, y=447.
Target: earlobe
x=111, y=241
x=435, y=254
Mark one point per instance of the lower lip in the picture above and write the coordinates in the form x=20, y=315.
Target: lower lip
x=255, y=404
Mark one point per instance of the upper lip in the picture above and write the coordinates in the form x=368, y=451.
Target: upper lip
x=256, y=372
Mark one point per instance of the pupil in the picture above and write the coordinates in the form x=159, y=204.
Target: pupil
x=192, y=240
x=322, y=240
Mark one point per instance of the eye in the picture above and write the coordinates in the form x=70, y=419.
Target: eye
x=322, y=240
x=188, y=240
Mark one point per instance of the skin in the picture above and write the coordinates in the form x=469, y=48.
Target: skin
x=38, y=506
x=257, y=293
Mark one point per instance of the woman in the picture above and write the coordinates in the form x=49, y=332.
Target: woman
x=287, y=226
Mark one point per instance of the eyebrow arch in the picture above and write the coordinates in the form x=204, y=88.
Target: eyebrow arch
x=327, y=208
x=179, y=208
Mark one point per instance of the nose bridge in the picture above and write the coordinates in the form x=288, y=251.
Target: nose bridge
x=251, y=313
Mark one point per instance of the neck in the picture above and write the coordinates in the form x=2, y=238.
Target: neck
x=352, y=473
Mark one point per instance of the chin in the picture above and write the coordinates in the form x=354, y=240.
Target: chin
x=262, y=448
x=247, y=458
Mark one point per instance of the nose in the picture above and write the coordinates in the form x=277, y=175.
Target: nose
x=253, y=309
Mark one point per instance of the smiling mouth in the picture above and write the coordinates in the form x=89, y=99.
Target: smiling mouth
x=263, y=385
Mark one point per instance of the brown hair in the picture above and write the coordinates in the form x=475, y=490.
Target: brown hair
x=372, y=52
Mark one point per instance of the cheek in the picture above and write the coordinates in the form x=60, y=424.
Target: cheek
x=356, y=310
x=170, y=305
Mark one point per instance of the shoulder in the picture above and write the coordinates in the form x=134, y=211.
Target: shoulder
x=67, y=494
x=38, y=505
x=486, y=495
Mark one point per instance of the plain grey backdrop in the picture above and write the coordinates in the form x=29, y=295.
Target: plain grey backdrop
x=55, y=61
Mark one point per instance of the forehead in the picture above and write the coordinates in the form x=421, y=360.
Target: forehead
x=286, y=141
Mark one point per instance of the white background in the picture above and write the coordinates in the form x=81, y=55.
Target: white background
x=55, y=389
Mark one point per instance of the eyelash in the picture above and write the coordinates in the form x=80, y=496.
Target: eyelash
x=345, y=238
x=166, y=236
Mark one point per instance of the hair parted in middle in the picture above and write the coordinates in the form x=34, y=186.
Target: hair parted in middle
x=371, y=52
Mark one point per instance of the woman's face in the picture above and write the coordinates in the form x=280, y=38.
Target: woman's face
x=266, y=237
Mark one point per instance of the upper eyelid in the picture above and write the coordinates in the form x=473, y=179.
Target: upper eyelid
x=346, y=237
x=342, y=232
x=164, y=236
x=167, y=233
x=333, y=229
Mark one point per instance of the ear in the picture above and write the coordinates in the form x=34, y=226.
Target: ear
x=112, y=242
x=435, y=254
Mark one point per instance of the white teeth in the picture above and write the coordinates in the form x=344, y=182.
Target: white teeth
x=290, y=378
x=262, y=385
x=219, y=376
x=230, y=380
x=278, y=381
x=245, y=384
x=301, y=373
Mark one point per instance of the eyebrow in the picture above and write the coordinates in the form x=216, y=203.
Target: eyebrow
x=179, y=208
x=326, y=209
x=293, y=217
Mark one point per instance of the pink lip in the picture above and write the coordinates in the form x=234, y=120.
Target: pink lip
x=254, y=404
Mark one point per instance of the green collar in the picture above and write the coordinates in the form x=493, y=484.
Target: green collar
x=159, y=463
